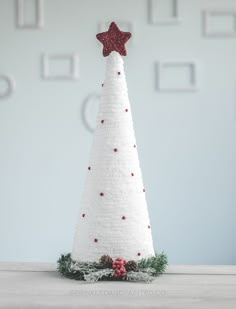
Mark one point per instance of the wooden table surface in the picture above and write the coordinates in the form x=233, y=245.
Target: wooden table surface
x=29, y=285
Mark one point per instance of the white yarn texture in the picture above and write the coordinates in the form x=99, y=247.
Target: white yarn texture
x=101, y=229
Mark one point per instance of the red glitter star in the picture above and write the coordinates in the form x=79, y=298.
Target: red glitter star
x=113, y=40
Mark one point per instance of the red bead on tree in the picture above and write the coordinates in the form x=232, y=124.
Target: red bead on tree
x=115, y=149
x=95, y=240
x=139, y=253
x=126, y=110
x=101, y=194
x=89, y=168
x=83, y=215
x=102, y=121
x=132, y=174
x=123, y=217
x=118, y=73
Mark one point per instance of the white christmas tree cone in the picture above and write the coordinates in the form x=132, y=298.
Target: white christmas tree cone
x=113, y=217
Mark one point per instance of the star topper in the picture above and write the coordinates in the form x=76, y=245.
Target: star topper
x=113, y=40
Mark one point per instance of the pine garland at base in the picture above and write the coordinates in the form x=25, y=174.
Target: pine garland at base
x=145, y=270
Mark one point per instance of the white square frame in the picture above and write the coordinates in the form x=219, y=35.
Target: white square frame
x=74, y=66
x=123, y=26
x=193, y=78
x=207, y=14
x=20, y=16
x=174, y=20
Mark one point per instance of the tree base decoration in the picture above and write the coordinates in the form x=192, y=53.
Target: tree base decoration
x=144, y=270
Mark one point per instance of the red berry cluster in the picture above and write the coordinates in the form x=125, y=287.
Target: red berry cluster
x=119, y=266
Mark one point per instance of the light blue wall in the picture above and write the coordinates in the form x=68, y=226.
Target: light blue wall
x=187, y=144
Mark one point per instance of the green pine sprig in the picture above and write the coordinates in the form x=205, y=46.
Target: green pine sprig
x=156, y=263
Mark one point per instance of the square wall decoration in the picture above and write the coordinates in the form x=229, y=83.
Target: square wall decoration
x=29, y=14
x=176, y=76
x=163, y=12
x=60, y=66
x=219, y=23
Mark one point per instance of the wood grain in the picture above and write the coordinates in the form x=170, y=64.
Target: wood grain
x=39, y=286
